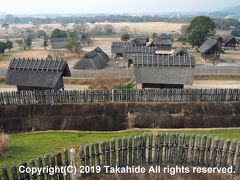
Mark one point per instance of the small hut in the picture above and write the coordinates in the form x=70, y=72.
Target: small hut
x=58, y=43
x=210, y=49
x=181, y=51
x=140, y=40
x=31, y=74
x=163, y=42
x=95, y=59
x=162, y=71
x=230, y=42
x=86, y=39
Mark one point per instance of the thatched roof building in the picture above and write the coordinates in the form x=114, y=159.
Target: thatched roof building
x=31, y=74
x=154, y=71
x=230, y=42
x=140, y=40
x=181, y=51
x=163, y=42
x=58, y=43
x=95, y=59
x=85, y=38
x=210, y=49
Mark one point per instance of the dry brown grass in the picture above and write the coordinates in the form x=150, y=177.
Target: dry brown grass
x=3, y=142
x=106, y=82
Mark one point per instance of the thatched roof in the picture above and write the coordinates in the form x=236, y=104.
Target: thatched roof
x=180, y=51
x=209, y=44
x=85, y=38
x=166, y=36
x=163, y=39
x=58, y=43
x=229, y=38
x=140, y=40
x=36, y=73
x=163, y=60
x=95, y=59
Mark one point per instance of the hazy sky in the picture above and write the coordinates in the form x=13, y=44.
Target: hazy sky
x=111, y=6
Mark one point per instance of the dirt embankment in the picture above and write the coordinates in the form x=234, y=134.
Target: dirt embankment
x=119, y=116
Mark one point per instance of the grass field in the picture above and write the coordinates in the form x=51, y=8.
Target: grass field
x=23, y=147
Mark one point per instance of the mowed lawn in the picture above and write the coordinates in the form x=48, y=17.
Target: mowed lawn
x=26, y=146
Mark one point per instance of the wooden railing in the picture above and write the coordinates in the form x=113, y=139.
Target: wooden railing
x=151, y=95
x=163, y=148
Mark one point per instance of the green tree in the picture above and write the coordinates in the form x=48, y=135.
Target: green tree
x=27, y=42
x=154, y=35
x=72, y=42
x=2, y=47
x=6, y=27
x=45, y=42
x=57, y=33
x=125, y=37
x=198, y=30
x=9, y=45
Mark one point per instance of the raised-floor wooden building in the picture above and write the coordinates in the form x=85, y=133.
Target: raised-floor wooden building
x=210, y=49
x=230, y=42
x=161, y=71
x=37, y=74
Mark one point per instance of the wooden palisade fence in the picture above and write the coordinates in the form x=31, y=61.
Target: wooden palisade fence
x=154, y=95
x=172, y=149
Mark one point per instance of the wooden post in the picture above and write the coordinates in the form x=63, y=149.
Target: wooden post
x=232, y=153
x=150, y=144
x=87, y=157
x=197, y=151
x=180, y=150
x=209, y=144
x=53, y=164
x=113, y=153
x=171, y=146
x=226, y=153
x=214, y=153
x=59, y=164
x=92, y=155
x=160, y=148
x=156, y=158
x=82, y=157
x=98, y=162
x=166, y=148
x=119, y=152
x=186, y=146
x=5, y=174
x=203, y=150
x=192, y=150
x=125, y=151
x=130, y=159
x=47, y=164
x=237, y=165
x=220, y=152
x=107, y=152
x=66, y=163
x=73, y=162
x=32, y=165
x=14, y=173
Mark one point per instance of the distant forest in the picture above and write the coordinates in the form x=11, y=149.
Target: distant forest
x=223, y=24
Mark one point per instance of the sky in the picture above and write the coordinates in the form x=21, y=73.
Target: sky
x=111, y=6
